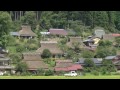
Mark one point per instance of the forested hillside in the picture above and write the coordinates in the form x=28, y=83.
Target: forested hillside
x=69, y=19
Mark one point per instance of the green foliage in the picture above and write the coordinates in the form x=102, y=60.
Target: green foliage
x=89, y=63
x=40, y=72
x=21, y=67
x=30, y=18
x=16, y=58
x=102, y=52
x=11, y=41
x=46, y=54
x=87, y=54
x=105, y=43
x=96, y=73
x=49, y=72
x=5, y=25
x=20, y=48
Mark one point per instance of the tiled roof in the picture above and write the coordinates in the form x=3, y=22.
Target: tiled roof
x=66, y=65
x=69, y=68
x=14, y=33
x=110, y=57
x=58, y=31
x=95, y=60
x=4, y=59
x=7, y=67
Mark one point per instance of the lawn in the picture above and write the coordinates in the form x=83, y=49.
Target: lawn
x=61, y=77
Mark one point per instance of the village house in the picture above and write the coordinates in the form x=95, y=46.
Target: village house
x=25, y=32
x=73, y=40
x=115, y=60
x=99, y=33
x=66, y=66
x=34, y=61
x=58, y=32
x=5, y=64
x=52, y=46
x=97, y=61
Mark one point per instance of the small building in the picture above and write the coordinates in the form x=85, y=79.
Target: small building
x=74, y=40
x=99, y=33
x=60, y=32
x=15, y=34
x=26, y=32
x=52, y=46
x=66, y=66
x=5, y=64
x=97, y=61
x=34, y=61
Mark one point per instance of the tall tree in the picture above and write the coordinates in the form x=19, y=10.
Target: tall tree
x=5, y=25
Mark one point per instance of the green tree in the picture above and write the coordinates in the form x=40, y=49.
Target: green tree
x=87, y=54
x=89, y=63
x=46, y=54
x=21, y=67
x=30, y=18
x=5, y=25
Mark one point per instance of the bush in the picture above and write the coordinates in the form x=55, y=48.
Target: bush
x=15, y=57
x=20, y=48
x=40, y=72
x=46, y=54
x=49, y=72
x=32, y=47
x=95, y=72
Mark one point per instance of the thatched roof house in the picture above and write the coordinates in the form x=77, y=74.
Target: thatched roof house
x=51, y=45
x=34, y=61
x=26, y=31
x=74, y=40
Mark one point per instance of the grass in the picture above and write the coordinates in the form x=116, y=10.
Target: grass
x=61, y=77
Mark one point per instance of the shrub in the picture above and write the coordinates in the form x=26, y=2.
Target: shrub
x=15, y=57
x=49, y=72
x=32, y=47
x=95, y=72
x=20, y=48
x=46, y=54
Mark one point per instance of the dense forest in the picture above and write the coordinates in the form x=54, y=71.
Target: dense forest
x=69, y=19
x=82, y=22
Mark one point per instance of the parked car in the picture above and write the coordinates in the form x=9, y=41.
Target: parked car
x=72, y=73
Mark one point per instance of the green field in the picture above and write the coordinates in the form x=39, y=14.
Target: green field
x=60, y=77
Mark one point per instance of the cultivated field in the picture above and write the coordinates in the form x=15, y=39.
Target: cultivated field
x=61, y=77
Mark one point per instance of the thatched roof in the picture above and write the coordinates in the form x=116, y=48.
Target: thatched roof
x=51, y=45
x=26, y=31
x=34, y=65
x=74, y=40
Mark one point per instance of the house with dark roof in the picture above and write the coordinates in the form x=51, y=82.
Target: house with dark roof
x=34, y=61
x=61, y=32
x=97, y=61
x=66, y=66
x=5, y=64
x=52, y=46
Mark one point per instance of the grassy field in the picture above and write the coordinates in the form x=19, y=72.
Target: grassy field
x=61, y=77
